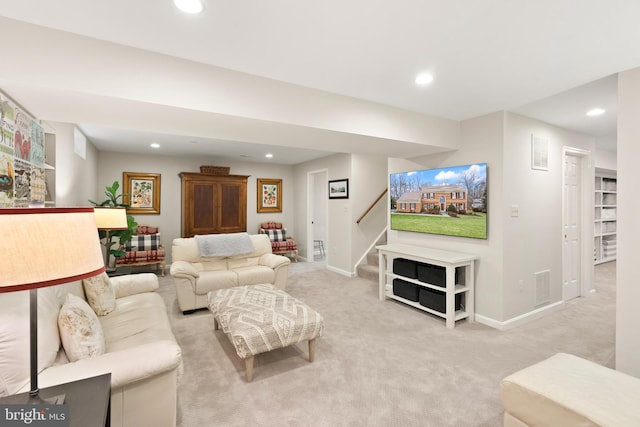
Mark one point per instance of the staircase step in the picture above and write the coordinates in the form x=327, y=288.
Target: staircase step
x=369, y=272
x=372, y=258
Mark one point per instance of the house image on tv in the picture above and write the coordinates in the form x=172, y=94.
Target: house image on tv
x=429, y=197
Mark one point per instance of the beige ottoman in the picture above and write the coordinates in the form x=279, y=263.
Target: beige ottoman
x=567, y=391
x=261, y=318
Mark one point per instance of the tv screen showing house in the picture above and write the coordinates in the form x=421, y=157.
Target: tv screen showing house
x=450, y=201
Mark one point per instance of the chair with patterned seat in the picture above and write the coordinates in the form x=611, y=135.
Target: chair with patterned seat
x=281, y=244
x=144, y=248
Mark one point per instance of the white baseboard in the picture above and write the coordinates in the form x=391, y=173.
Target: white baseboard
x=522, y=319
x=340, y=271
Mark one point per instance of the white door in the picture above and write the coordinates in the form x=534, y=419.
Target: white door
x=571, y=228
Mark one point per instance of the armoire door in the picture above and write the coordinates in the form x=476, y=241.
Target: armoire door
x=233, y=207
x=202, y=212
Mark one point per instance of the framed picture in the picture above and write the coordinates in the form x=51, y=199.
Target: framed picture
x=269, y=195
x=141, y=192
x=339, y=189
x=539, y=153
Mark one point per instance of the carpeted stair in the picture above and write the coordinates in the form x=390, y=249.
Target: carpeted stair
x=369, y=270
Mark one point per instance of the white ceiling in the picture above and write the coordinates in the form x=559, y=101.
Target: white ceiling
x=547, y=59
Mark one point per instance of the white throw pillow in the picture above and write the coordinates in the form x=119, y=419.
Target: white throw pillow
x=100, y=293
x=80, y=330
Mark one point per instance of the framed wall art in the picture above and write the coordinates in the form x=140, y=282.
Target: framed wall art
x=339, y=189
x=269, y=195
x=539, y=153
x=141, y=192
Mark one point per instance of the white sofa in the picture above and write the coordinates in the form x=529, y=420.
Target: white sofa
x=141, y=352
x=195, y=276
x=567, y=391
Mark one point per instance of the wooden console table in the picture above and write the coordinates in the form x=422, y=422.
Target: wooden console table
x=451, y=261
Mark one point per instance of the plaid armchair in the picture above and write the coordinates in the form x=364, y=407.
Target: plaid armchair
x=280, y=243
x=144, y=248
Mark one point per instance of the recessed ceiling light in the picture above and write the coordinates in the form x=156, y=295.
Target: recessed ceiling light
x=268, y=156
x=596, y=112
x=154, y=145
x=424, y=79
x=189, y=6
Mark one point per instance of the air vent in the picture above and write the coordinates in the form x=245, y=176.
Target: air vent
x=543, y=287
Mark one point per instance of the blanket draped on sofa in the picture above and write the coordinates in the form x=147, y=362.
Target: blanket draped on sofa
x=212, y=245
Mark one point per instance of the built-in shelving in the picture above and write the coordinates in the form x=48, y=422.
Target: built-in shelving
x=605, y=218
x=49, y=169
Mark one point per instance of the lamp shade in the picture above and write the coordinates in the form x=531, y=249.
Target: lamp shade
x=47, y=246
x=111, y=218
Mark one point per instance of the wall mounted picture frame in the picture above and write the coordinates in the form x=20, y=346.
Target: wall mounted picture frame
x=539, y=153
x=141, y=192
x=339, y=189
x=269, y=192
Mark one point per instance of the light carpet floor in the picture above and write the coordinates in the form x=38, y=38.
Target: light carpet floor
x=378, y=363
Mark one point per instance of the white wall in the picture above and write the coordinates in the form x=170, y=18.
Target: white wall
x=75, y=177
x=369, y=178
x=606, y=160
x=627, y=287
x=533, y=240
x=112, y=165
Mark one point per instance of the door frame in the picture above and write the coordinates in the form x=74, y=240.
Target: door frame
x=311, y=177
x=586, y=218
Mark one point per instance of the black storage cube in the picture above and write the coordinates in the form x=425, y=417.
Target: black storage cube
x=406, y=290
x=405, y=267
x=437, y=300
x=432, y=274
x=435, y=275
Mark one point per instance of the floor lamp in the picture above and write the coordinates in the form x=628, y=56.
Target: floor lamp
x=46, y=247
x=108, y=219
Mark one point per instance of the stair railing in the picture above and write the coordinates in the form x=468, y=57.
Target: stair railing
x=372, y=205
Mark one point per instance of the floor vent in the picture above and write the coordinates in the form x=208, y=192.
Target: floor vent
x=543, y=287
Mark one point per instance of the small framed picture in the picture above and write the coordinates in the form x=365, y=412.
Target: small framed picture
x=141, y=192
x=339, y=189
x=539, y=153
x=269, y=195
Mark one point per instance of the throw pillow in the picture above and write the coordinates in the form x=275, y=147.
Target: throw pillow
x=100, y=293
x=80, y=330
x=277, y=235
x=143, y=242
x=146, y=229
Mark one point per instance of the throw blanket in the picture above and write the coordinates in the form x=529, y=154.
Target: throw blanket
x=211, y=245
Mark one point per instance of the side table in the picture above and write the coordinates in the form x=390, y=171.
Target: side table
x=88, y=400
x=120, y=271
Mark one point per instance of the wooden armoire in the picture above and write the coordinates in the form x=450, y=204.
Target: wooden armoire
x=213, y=204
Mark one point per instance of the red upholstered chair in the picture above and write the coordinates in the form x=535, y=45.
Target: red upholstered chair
x=144, y=248
x=280, y=243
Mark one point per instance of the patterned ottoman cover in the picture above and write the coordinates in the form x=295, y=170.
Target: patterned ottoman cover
x=260, y=318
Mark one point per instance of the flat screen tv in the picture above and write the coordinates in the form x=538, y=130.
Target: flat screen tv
x=451, y=201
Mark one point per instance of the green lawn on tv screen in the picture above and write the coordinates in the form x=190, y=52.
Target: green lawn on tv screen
x=463, y=225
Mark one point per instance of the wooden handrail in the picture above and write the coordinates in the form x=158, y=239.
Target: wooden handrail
x=372, y=205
